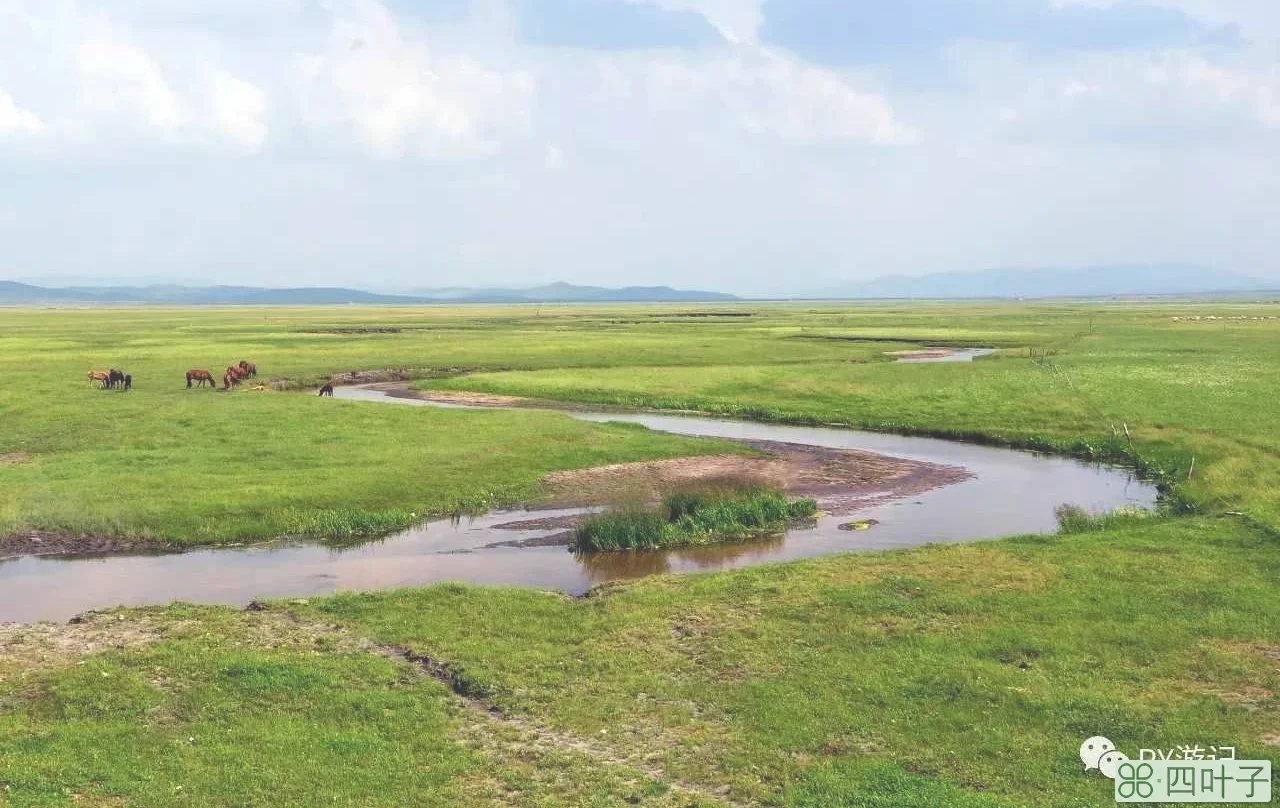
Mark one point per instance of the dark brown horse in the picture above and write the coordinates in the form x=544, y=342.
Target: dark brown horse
x=249, y=369
x=232, y=377
x=115, y=378
x=200, y=376
x=99, y=376
x=327, y=390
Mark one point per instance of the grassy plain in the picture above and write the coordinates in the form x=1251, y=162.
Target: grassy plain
x=194, y=466
x=958, y=675
x=1187, y=390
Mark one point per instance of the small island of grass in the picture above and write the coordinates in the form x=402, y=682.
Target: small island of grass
x=706, y=515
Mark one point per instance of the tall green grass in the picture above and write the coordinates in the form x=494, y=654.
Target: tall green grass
x=703, y=515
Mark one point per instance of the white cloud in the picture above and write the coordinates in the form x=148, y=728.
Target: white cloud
x=383, y=84
x=1075, y=88
x=15, y=120
x=737, y=20
x=103, y=84
x=1206, y=84
x=554, y=159
x=118, y=79
x=763, y=93
x=1179, y=98
x=808, y=105
x=238, y=109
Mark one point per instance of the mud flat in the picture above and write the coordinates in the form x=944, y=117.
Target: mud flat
x=841, y=480
x=43, y=542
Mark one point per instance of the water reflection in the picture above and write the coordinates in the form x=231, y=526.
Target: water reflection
x=929, y=355
x=604, y=567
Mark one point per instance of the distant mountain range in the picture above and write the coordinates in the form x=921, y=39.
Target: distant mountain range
x=569, y=293
x=1100, y=281
x=1130, y=280
x=12, y=292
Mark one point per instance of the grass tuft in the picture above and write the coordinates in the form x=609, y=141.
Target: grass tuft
x=705, y=514
x=1073, y=519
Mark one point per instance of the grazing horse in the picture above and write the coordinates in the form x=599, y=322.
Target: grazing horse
x=200, y=377
x=100, y=376
x=248, y=369
x=327, y=390
x=232, y=377
x=115, y=378
x=128, y=382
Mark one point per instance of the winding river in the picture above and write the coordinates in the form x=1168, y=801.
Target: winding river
x=1010, y=492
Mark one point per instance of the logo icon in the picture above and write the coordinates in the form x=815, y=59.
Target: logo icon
x=1109, y=763
x=1135, y=781
x=1188, y=777
x=1092, y=750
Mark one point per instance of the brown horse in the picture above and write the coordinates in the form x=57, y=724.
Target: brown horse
x=115, y=378
x=200, y=376
x=327, y=390
x=100, y=376
x=232, y=377
x=248, y=368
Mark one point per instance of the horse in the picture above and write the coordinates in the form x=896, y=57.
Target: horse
x=248, y=368
x=99, y=376
x=327, y=390
x=231, y=377
x=128, y=382
x=200, y=376
x=115, y=378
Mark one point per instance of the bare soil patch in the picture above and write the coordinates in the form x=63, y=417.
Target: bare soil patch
x=371, y=376
x=564, y=524
x=925, y=353
x=842, y=481
x=544, y=523
x=460, y=398
x=40, y=646
x=369, y=330
x=468, y=399
x=560, y=539
x=14, y=458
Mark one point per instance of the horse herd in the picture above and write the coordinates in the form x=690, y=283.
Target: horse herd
x=196, y=377
x=116, y=379
x=232, y=376
x=111, y=379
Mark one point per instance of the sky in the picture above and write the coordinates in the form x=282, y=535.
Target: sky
x=752, y=146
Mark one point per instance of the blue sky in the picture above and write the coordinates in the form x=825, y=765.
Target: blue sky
x=758, y=146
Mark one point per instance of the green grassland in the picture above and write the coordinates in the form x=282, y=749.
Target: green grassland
x=957, y=675
x=1186, y=390
x=194, y=466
